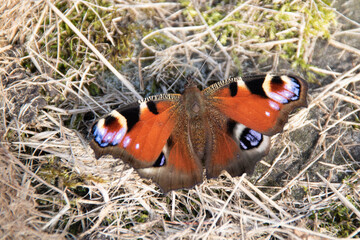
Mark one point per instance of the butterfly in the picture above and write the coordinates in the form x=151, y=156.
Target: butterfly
x=172, y=138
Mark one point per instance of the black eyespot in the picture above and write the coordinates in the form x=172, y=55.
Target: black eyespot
x=233, y=89
x=160, y=161
x=109, y=120
x=131, y=115
x=152, y=107
x=250, y=139
x=169, y=142
x=255, y=86
x=231, y=124
x=276, y=80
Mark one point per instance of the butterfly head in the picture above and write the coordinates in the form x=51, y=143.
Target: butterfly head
x=190, y=83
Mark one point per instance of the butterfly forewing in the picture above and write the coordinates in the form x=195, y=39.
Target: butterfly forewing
x=261, y=103
x=137, y=132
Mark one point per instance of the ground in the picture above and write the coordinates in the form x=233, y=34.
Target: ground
x=56, y=81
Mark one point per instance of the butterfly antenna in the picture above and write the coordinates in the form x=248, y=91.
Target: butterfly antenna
x=173, y=65
x=212, y=49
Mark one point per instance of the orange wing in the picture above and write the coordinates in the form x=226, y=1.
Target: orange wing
x=149, y=137
x=241, y=112
x=153, y=134
x=137, y=132
x=177, y=166
x=235, y=149
x=261, y=103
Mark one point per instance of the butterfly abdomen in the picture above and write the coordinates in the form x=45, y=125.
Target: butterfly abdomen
x=195, y=120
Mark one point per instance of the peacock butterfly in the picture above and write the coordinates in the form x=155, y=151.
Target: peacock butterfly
x=171, y=138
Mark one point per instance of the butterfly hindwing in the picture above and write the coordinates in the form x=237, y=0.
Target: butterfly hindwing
x=235, y=148
x=261, y=103
x=253, y=146
x=178, y=167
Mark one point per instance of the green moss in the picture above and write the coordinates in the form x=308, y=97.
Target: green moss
x=56, y=174
x=338, y=219
x=93, y=89
x=161, y=40
x=91, y=22
x=142, y=217
x=270, y=26
x=75, y=228
x=28, y=64
x=356, y=120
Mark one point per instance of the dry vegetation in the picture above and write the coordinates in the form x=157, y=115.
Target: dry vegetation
x=65, y=63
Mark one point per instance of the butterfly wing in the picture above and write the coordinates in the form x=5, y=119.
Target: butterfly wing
x=236, y=149
x=146, y=135
x=262, y=104
x=177, y=166
x=153, y=135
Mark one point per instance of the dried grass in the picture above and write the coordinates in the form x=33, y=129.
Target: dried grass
x=52, y=186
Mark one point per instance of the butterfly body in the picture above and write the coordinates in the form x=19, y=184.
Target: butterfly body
x=195, y=122
x=172, y=138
